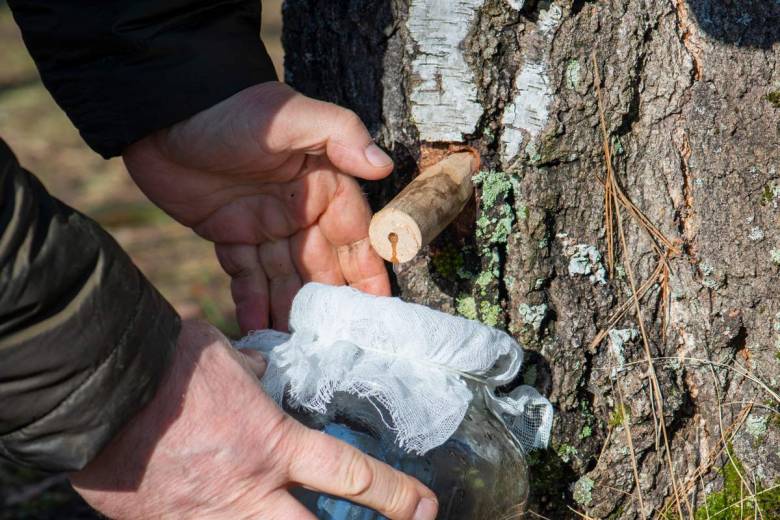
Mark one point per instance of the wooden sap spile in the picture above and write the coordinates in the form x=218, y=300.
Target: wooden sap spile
x=423, y=208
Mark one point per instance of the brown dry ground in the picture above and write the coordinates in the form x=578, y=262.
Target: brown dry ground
x=179, y=263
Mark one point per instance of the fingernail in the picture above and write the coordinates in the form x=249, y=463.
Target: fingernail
x=426, y=510
x=377, y=157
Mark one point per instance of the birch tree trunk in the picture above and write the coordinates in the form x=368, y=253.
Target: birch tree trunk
x=555, y=246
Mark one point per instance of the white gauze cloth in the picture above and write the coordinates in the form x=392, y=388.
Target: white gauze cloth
x=422, y=366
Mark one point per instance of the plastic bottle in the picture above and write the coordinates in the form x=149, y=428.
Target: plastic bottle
x=478, y=474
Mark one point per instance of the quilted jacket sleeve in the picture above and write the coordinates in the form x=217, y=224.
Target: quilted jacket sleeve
x=84, y=338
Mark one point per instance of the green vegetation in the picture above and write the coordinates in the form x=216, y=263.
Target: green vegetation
x=567, y=452
x=448, y=262
x=774, y=98
x=733, y=501
x=770, y=193
x=618, y=416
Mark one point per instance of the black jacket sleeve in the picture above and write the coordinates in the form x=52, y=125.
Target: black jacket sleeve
x=84, y=338
x=122, y=69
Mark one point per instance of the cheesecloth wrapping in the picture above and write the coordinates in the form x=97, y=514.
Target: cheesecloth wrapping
x=423, y=367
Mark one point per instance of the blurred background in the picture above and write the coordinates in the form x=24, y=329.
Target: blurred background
x=179, y=263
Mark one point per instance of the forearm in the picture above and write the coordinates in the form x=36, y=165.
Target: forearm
x=84, y=338
x=124, y=69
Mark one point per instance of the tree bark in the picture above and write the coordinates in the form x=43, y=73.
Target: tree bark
x=691, y=104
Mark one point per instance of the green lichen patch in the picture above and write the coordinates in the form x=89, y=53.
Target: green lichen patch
x=774, y=98
x=583, y=489
x=756, y=426
x=774, y=255
x=484, y=311
x=494, y=224
x=573, y=74
x=756, y=234
x=617, y=146
x=533, y=315
x=585, y=259
x=567, y=452
x=490, y=313
x=494, y=185
x=467, y=307
x=484, y=280
x=617, y=342
x=496, y=230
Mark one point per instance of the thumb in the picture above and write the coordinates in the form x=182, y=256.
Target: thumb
x=254, y=361
x=303, y=124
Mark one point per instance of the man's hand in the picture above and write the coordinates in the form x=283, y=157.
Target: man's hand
x=211, y=444
x=268, y=176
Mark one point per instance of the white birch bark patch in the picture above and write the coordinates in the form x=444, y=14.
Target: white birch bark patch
x=526, y=116
x=444, y=103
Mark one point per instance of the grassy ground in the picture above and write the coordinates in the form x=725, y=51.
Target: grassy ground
x=179, y=263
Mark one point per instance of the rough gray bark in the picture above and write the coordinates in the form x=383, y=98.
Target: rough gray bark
x=691, y=94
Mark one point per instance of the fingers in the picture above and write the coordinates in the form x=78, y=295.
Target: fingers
x=363, y=268
x=284, y=281
x=315, y=258
x=323, y=463
x=303, y=124
x=345, y=225
x=249, y=285
x=254, y=361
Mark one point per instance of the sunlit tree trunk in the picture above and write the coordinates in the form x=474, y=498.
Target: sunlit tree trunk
x=555, y=244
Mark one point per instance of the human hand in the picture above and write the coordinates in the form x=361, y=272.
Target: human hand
x=211, y=444
x=268, y=176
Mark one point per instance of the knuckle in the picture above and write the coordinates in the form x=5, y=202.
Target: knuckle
x=402, y=499
x=351, y=120
x=236, y=260
x=281, y=439
x=358, y=477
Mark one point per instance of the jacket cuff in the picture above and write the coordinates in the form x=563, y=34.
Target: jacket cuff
x=74, y=432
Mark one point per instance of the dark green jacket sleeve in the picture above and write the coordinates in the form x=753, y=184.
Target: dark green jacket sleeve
x=122, y=69
x=84, y=338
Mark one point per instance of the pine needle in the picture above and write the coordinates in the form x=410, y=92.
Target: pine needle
x=614, y=199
